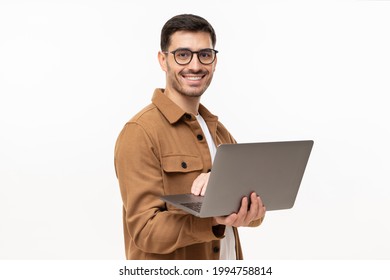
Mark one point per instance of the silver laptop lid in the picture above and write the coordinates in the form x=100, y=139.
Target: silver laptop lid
x=273, y=170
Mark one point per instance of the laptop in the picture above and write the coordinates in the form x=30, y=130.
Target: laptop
x=274, y=170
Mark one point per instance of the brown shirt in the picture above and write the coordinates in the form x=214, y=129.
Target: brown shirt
x=160, y=151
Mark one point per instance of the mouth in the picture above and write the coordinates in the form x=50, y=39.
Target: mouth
x=193, y=77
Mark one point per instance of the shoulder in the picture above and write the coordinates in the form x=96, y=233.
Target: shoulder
x=147, y=123
x=146, y=114
x=224, y=134
x=138, y=131
x=148, y=118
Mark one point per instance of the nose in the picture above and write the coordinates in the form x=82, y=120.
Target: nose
x=195, y=64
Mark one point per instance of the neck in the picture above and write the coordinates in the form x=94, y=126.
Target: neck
x=189, y=104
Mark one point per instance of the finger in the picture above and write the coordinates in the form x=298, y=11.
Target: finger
x=261, y=201
x=206, y=181
x=227, y=220
x=254, y=209
x=242, y=212
x=263, y=209
x=196, y=187
x=199, y=185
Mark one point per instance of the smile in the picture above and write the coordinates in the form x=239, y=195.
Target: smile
x=193, y=78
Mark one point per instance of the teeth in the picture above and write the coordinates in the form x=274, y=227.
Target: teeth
x=192, y=78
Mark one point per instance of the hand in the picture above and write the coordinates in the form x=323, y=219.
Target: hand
x=200, y=184
x=244, y=216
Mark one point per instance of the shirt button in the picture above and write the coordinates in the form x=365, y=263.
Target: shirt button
x=188, y=116
x=200, y=137
x=184, y=164
x=216, y=249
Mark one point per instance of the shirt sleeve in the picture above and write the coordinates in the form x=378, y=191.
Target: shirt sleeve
x=152, y=228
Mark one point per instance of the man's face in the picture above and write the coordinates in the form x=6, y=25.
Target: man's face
x=193, y=79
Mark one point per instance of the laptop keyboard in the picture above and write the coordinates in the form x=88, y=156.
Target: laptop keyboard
x=193, y=205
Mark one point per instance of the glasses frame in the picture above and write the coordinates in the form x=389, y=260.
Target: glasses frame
x=192, y=55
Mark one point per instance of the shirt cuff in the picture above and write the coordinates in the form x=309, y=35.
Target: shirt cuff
x=219, y=231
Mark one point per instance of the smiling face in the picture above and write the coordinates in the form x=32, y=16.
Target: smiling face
x=189, y=80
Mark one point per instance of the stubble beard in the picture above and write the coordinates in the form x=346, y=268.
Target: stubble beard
x=187, y=90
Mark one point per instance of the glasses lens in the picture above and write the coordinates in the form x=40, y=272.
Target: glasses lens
x=206, y=56
x=183, y=56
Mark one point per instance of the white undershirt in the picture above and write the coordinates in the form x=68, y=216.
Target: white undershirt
x=228, y=248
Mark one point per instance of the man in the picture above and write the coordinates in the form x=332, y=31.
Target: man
x=168, y=148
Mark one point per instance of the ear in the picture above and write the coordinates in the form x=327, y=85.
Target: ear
x=215, y=64
x=162, y=59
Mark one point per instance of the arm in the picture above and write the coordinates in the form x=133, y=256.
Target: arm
x=151, y=226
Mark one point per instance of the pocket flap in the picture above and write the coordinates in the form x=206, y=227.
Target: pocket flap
x=181, y=163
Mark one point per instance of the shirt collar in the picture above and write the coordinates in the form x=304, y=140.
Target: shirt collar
x=206, y=114
x=172, y=112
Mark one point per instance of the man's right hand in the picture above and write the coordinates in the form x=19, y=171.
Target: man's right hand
x=244, y=216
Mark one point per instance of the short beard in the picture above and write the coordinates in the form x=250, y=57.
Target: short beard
x=195, y=92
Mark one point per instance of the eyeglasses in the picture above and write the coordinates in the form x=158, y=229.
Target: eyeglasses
x=184, y=56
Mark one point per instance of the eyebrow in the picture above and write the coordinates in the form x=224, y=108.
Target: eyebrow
x=192, y=50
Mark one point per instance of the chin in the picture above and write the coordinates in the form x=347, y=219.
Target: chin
x=192, y=93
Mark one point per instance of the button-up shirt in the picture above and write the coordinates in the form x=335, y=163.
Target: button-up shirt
x=161, y=151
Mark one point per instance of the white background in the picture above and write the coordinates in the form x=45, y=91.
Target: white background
x=73, y=72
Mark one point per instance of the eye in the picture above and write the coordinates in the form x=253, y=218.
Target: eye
x=206, y=54
x=183, y=54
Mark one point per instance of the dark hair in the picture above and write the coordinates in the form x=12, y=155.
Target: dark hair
x=185, y=22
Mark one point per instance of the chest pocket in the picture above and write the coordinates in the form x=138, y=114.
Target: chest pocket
x=179, y=172
x=181, y=163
